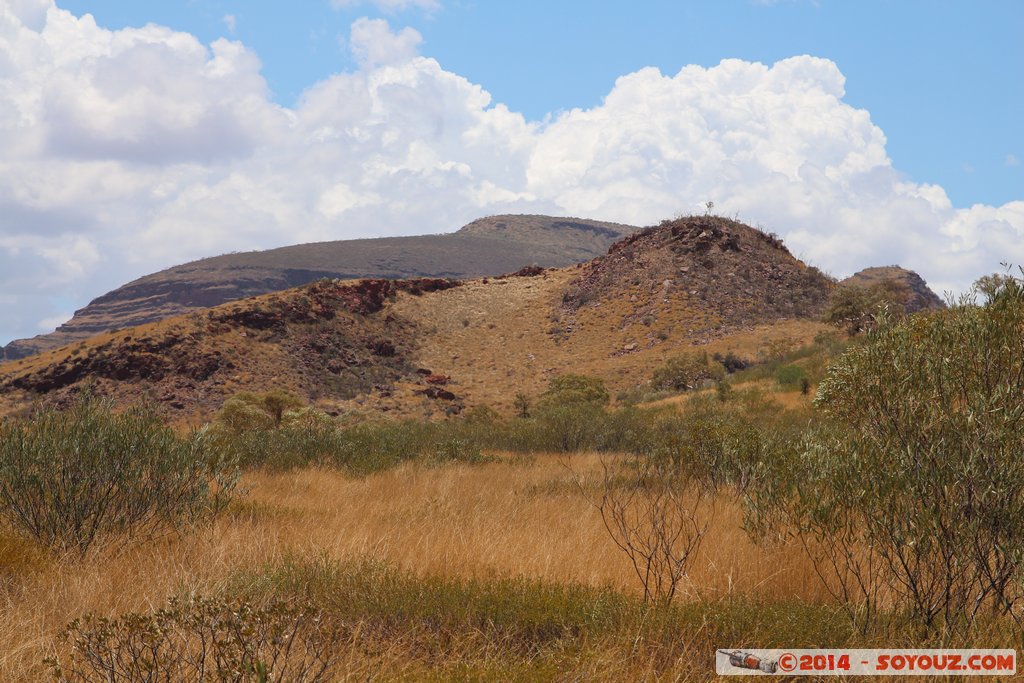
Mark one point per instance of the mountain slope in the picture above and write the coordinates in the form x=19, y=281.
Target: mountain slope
x=430, y=347
x=488, y=246
x=327, y=338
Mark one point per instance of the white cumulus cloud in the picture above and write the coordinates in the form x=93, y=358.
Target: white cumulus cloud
x=132, y=150
x=373, y=43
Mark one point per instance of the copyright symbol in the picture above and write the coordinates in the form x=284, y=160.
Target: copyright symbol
x=787, y=662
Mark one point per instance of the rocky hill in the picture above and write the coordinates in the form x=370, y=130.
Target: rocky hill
x=725, y=269
x=429, y=347
x=920, y=298
x=324, y=339
x=488, y=246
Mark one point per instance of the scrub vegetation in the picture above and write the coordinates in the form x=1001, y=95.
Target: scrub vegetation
x=879, y=506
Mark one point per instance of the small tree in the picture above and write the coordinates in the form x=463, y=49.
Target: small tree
x=652, y=512
x=856, y=307
x=248, y=411
x=569, y=409
x=686, y=372
x=993, y=285
x=274, y=429
x=522, y=405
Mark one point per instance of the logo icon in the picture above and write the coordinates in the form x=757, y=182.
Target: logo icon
x=745, y=660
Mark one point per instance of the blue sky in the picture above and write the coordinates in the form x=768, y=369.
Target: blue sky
x=944, y=80
x=135, y=136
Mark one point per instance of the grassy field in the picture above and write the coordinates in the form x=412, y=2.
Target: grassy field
x=499, y=571
x=517, y=527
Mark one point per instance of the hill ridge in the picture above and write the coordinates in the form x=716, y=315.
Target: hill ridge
x=487, y=246
x=430, y=347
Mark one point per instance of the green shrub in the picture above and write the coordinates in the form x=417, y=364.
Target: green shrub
x=482, y=416
x=457, y=449
x=376, y=446
x=569, y=417
x=519, y=613
x=574, y=390
x=724, y=444
x=568, y=427
x=856, y=308
x=201, y=639
x=566, y=417
x=248, y=411
x=569, y=628
x=642, y=393
x=790, y=376
x=274, y=430
x=522, y=404
x=306, y=436
x=373, y=447
x=731, y=362
x=69, y=478
x=686, y=372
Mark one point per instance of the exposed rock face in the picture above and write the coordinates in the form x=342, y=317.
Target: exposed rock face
x=330, y=338
x=741, y=274
x=922, y=298
x=488, y=246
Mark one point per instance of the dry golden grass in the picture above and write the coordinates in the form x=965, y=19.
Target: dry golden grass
x=502, y=518
x=518, y=517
